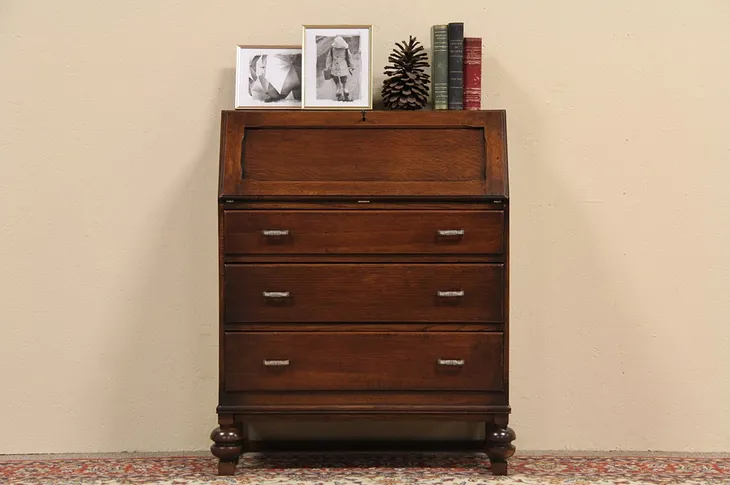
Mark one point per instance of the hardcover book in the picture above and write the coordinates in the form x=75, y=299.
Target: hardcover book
x=472, y=73
x=440, y=66
x=456, y=65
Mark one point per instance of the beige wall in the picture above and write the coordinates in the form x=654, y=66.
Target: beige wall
x=620, y=167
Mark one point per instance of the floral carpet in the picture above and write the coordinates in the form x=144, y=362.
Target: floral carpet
x=368, y=469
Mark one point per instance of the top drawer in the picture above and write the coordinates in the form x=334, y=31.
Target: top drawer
x=363, y=232
x=369, y=155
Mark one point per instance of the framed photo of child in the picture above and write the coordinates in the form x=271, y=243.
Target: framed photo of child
x=268, y=77
x=337, y=67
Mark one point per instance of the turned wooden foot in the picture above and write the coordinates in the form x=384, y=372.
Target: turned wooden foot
x=227, y=446
x=227, y=468
x=499, y=468
x=499, y=447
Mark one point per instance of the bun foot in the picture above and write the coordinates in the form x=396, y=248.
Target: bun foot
x=227, y=447
x=499, y=447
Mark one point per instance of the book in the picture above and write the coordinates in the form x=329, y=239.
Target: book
x=472, y=72
x=440, y=72
x=456, y=65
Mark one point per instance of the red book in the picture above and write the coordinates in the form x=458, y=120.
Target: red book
x=472, y=72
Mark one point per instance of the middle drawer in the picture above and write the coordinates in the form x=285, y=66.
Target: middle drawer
x=285, y=293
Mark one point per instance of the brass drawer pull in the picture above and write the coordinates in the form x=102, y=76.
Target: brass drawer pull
x=451, y=362
x=450, y=294
x=275, y=232
x=451, y=232
x=276, y=294
x=276, y=363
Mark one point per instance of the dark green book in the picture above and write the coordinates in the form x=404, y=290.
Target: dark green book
x=456, y=65
x=440, y=72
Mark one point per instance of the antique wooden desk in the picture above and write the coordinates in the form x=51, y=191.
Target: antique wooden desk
x=364, y=269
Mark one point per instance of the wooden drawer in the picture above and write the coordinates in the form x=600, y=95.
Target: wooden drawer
x=363, y=361
x=364, y=292
x=364, y=232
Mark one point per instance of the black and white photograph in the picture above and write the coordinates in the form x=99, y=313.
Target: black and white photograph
x=337, y=67
x=268, y=77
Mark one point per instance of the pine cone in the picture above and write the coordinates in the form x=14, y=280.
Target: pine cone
x=408, y=84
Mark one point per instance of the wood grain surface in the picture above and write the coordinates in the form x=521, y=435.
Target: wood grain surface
x=364, y=232
x=363, y=361
x=364, y=292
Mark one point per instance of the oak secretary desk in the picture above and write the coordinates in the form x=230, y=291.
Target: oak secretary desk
x=364, y=270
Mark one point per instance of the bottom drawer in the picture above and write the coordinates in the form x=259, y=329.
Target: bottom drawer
x=318, y=361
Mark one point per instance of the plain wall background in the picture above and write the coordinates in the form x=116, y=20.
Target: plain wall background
x=619, y=167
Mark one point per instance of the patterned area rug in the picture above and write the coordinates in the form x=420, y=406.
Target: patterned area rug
x=368, y=469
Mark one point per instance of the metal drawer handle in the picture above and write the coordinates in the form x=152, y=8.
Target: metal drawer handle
x=451, y=232
x=275, y=232
x=451, y=362
x=450, y=294
x=276, y=294
x=276, y=363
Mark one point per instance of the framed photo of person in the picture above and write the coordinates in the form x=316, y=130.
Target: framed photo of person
x=268, y=77
x=337, y=67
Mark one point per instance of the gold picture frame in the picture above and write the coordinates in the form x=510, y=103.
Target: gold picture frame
x=263, y=84
x=348, y=83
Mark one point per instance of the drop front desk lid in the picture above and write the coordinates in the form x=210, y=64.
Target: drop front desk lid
x=371, y=154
